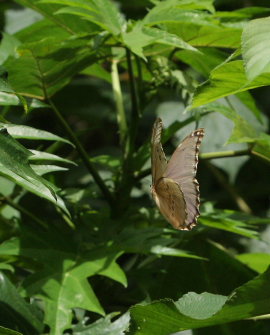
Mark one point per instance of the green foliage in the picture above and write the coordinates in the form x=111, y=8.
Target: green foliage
x=84, y=250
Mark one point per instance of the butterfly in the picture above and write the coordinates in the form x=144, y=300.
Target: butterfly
x=174, y=186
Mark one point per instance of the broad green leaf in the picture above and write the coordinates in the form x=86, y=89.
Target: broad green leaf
x=175, y=10
x=200, y=306
x=104, y=326
x=164, y=317
x=231, y=221
x=150, y=240
x=15, y=312
x=53, y=64
x=256, y=47
x=41, y=30
x=142, y=36
x=15, y=166
x=67, y=269
x=68, y=24
x=26, y=132
x=227, y=79
x=256, y=261
x=6, y=331
x=202, y=33
x=45, y=156
x=101, y=12
x=204, y=61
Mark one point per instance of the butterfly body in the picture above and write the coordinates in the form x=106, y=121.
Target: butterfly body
x=174, y=186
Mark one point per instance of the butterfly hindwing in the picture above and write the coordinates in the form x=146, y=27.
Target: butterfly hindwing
x=170, y=200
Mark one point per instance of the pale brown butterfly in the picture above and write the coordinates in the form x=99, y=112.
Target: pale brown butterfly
x=174, y=186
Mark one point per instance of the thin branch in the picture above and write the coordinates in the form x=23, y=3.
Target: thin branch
x=135, y=112
x=21, y=209
x=223, y=154
x=83, y=154
x=204, y=156
x=240, y=202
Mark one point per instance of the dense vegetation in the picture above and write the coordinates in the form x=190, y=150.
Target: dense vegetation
x=84, y=250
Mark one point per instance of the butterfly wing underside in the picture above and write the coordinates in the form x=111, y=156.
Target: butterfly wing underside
x=158, y=158
x=170, y=200
x=182, y=169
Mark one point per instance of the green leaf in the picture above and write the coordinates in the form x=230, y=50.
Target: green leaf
x=45, y=156
x=67, y=24
x=200, y=32
x=175, y=11
x=10, y=99
x=6, y=331
x=67, y=269
x=164, y=317
x=52, y=63
x=256, y=47
x=256, y=261
x=142, y=36
x=150, y=240
x=104, y=326
x=204, y=61
x=200, y=306
x=26, y=132
x=227, y=79
x=15, y=166
x=101, y=12
x=15, y=312
x=43, y=169
x=231, y=221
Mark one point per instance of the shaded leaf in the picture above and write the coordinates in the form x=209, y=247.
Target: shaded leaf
x=15, y=312
x=102, y=12
x=163, y=317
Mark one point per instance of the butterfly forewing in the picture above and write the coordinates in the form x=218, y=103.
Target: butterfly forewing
x=182, y=168
x=158, y=158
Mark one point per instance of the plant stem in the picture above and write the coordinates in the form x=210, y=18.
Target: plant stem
x=21, y=209
x=135, y=113
x=121, y=116
x=240, y=202
x=84, y=156
x=205, y=156
x=222, y=154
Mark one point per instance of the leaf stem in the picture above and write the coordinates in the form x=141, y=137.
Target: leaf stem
x=84, y=156
x=121, y=117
